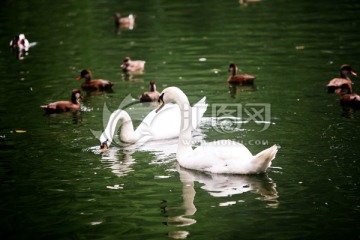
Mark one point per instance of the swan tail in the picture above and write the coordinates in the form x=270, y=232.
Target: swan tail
x=199, y=109
x=201, y=102
x=265, y=157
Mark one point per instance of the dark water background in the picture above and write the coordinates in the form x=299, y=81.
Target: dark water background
x=54, y=187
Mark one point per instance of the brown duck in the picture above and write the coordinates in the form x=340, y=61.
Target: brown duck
x=152, y=95
x=243, y=79
x=343, y=83
x=93, y=85
x=65, y=106
x=127, y=22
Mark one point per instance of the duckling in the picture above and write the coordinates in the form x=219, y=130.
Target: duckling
x=152, y=95
x=127, y=22
x=93, y=85
x=65, y=106
x=132, y=66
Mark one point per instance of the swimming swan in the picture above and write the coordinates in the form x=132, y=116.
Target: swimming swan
x=222, y=156
x=155, y=126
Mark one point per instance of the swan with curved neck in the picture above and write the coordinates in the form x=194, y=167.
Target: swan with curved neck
x=155, y=126
x=222, y=156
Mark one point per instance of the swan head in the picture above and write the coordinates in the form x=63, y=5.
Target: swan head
x=104, y=146
x=172, y=94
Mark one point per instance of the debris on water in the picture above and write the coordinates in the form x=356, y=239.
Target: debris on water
x=20, y=131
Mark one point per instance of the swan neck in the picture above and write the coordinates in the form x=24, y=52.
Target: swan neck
x=127, y=129
x=185, y=137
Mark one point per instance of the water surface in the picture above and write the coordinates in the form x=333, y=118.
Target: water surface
x=54, y=186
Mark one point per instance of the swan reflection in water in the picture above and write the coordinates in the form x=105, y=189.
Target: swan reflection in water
x=120, y=164
x=120, y=160
x=217, y=185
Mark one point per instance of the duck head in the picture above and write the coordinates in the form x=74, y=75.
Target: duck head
x=86, y=73
x=76, y=96
x=152, y=86
x=346, y=70
x=233, y=69
x=126, y=63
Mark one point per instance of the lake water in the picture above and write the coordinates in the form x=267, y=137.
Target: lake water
x=54, y=186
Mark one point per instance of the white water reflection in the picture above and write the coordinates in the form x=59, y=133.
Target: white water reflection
x=226, y=185
x=188, y=196
x=120, y=160
x=217, y=185
x=120, y=167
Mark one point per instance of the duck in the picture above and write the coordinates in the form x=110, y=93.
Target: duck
x=93, y=85
x=155, y=126
x=20, y=42
x=132, y=66
x=343, y=84
x=127, y=22
x=65, y=106
x=152, y=95
x=243, y=79
x=350, y=100
x=222, y=156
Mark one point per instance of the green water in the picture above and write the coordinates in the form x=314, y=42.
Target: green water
x=53, y=186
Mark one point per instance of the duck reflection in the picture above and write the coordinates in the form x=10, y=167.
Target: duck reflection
x=60, y=118
x=244, y=3
x=131, y=77
x=350, y=103
x=349, y=112
x=235, y=88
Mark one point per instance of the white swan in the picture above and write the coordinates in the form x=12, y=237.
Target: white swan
x=155, y=126
x=222, y=156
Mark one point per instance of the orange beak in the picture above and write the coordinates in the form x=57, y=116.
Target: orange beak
x=78, y=78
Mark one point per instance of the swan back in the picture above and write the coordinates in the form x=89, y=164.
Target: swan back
x=228, y=157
